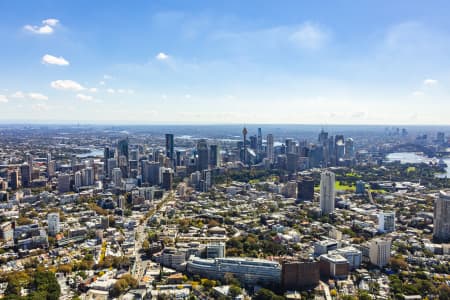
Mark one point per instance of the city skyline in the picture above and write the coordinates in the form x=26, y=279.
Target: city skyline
x=216, y=63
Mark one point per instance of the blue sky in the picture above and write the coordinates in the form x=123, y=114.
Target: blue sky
x=308, y=62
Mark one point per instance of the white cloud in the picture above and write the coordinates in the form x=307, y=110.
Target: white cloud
x=84, y=97
x=111, y=91
x=187, y=96
x=106, y=76
x=46, y=28
x=161, y=56
x=130, y=91
x=309, y=36
x=37, y=96
x=101, y=82
x=50, y=22
x=93, y=90
x=66, y=85
x=53, y=60
x=121, y=91
x=3, y=99
x=18, y=94
x=430, y=82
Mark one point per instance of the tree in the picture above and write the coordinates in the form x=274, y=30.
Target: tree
x=234, y=291
x=398, y=263
x=145, y=245
x=265, y=294
x=66, y=268
x=16, y=281
x=444, y=292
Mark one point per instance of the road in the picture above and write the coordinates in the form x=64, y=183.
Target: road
x=138, y=269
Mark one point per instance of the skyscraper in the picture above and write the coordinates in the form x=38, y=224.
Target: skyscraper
x=53, y=223
x=441, y=230
x=25, y=175
x=305, y=189
x=106, y=156
x=14, y=180
x=150, y=172
x=380, y=252
x=202, y=155
x=259, y=141
x=63, y=183
x=78, y=179
x=244, y=136
x=323, y=137
x=214, y=155
x=386, y=221
x=122, y=148
x=88, y=176
x=117, y=177
x=167, y=179
x=349, y=148
x=327, y=192
x=169, y=146
x=270, y=153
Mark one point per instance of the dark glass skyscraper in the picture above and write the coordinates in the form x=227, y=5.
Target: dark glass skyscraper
x=214, y=155
x=169, y=146
x=203, y=155
x=25, y=175
x=122, y=148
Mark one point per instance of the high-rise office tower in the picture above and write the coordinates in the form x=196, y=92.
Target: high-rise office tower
x=327, y=192
x=270, y=152
x=29, y=159
x=14, y=180
x=106, y=156
x=254, y=142
x=112, y=163
x=167, y=179
x=25, y=175
x=122, y=148
x=441, y=231
x=169, y=146
x=386, y=221
x=78, y=179
x=380, y=252
x=323, y=138
x=305, y=189
x=150, y=172
x=134, y=154
x=88, y=176
x=53, y=223
x=339, y=144
x=214, y=155
x=117, y=177
x=202, y=155
x=349, y=148
x=63, y=183
x=244, y=136
x=259, y=141
x=290, y=146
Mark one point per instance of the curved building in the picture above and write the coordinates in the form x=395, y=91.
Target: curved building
x=248, y=270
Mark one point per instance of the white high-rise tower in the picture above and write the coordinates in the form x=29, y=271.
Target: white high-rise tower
x=327, y=192
x=53, y=223
x=270, y=153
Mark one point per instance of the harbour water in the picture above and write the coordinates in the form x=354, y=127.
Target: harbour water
x=417, y=158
